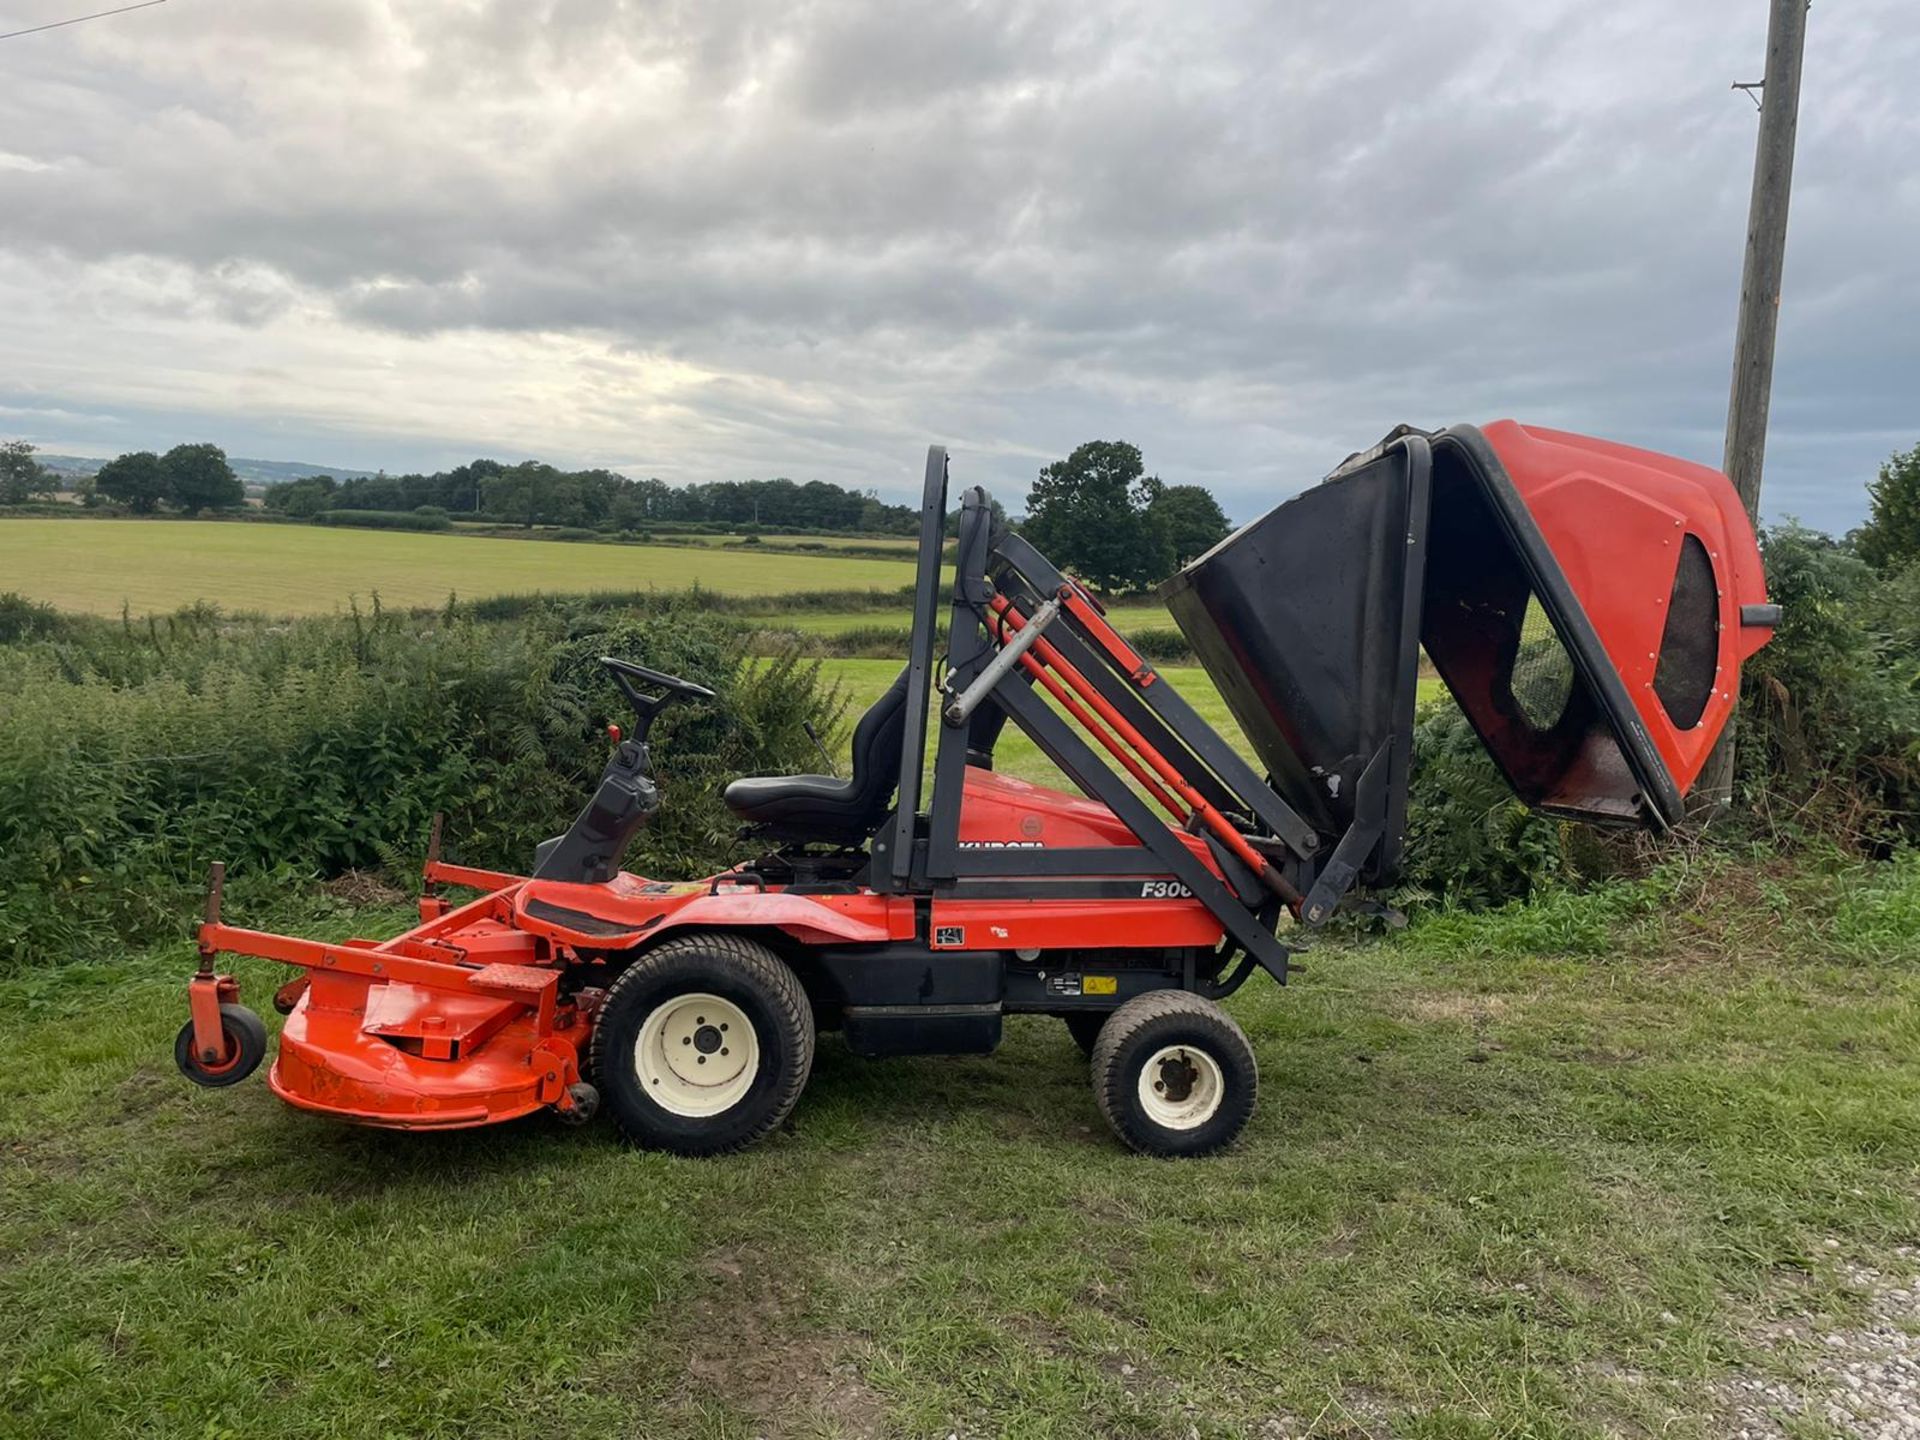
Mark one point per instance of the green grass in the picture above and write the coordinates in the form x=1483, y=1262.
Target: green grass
x=97, y=566
x=1129, y=616
x=1494, y=1188
x=804, y=544
x=863, y=681
x=907, y=545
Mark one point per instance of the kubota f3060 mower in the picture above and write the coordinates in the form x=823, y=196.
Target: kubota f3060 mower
x=1588, y=605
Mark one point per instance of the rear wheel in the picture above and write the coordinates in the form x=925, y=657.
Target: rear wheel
x=703, y=1045
x=1174, y=1075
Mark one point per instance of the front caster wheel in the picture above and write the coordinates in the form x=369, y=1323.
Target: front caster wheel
x=1174, y=1075
x=583, y=1100
x=703, y=1045
x=245, y=1036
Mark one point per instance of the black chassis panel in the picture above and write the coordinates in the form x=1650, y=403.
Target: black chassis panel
x=914, y=976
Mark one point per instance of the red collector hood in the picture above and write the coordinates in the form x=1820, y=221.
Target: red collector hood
x=1588, y=604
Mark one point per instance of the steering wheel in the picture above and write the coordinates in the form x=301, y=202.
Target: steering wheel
x=646, y=707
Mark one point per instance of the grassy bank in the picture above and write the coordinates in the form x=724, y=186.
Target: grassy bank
x=132, y=756
x=1567, y=1169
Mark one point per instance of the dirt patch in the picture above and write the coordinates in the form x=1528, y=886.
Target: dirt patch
x=1862, y=1382
x=1450, y=1005
x=145, y=1091
x=1353, y=1412
x=363, y=887
x=750, y=1348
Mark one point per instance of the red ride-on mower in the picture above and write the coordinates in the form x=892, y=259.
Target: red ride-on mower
x=1588, y=605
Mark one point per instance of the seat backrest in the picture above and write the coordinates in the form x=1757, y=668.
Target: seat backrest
x=878, y=742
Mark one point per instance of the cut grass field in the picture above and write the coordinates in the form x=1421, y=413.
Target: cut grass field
x=804, y=544
x=863, y=681
x=1126, y=615
x=96, y=566
x=1574, y=1169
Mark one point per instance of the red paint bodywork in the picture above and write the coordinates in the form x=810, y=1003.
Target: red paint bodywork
x=335, y=1058
x=1001, y=811
x=456, y=1022
x=1614, y=517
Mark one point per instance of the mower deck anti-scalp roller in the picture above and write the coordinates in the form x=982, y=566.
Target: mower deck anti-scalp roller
x=1587, y=604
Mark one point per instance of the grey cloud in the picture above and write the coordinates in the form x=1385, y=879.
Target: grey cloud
x=1247, y=237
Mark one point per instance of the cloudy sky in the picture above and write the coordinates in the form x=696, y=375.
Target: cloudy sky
x=706, y=240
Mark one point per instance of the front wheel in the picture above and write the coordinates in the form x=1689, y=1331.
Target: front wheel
x=1174, y=1075
x=703, y=1045
x=245, y=1035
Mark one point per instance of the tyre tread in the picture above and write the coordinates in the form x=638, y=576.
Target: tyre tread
x=1132, y=1017
x=765, y=968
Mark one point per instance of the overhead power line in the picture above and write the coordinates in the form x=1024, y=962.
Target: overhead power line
x=75, y=20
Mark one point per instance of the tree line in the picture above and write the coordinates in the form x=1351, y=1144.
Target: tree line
x=532, y=493
x=1097, y=512
x=188, y=478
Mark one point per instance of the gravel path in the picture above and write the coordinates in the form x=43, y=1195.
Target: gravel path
x=1863, y=1382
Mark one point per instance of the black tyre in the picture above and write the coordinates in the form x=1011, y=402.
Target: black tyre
x=703, y=1045
x=1084, y=1026
x=1174, y=1075
x=246, y=1045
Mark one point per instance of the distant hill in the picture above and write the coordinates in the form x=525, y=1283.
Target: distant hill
x=252, y=472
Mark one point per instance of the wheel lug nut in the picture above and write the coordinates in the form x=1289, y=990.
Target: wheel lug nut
x=703, y=1059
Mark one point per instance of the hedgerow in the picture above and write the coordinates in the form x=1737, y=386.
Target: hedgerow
x=132, y=755
x=385, y=519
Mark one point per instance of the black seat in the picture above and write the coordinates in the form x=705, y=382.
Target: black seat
x=821, y=808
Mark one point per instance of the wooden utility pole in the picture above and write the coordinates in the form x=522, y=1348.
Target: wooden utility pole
x=1760, y=279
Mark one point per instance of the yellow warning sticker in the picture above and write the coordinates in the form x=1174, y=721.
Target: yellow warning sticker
x=1099, y=985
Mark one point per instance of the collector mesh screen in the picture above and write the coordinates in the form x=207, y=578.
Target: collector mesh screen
x=1542, y=680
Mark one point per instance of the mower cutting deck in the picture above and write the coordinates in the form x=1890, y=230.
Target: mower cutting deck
x=1587, y=604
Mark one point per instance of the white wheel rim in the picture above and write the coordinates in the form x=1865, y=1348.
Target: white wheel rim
x=1181, y=1087
x=697, y=1055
